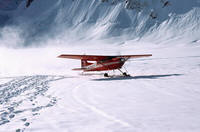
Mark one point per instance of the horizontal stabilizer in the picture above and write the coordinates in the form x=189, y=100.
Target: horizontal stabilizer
x=78, y=69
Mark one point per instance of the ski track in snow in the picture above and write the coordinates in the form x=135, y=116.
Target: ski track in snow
x=19, y=97
x=95, y=109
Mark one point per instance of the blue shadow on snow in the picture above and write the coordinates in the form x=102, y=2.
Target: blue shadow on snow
x=136, y=77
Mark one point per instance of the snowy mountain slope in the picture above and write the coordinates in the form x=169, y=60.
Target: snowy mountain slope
x=94, y=19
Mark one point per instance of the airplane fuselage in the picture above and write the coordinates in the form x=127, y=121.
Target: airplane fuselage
x=105, y=65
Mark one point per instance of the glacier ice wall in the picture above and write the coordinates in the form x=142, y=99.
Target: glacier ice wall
x=157, y=21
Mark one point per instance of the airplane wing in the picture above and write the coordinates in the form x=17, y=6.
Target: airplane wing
x=86, y=57
x=100, y=57
x=134, y=56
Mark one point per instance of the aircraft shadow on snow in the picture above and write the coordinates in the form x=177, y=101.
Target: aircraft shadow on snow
x=137, y=77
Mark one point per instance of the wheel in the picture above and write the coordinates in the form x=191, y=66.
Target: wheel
x=125, y=74
x=106, y=75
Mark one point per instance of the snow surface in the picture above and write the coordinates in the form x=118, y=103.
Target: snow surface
x=162, y=94
x=40, y=93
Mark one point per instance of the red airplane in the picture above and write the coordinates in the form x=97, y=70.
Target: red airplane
x=102, y=63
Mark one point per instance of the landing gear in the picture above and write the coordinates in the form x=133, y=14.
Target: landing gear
x=124, y=73
x=106, y=75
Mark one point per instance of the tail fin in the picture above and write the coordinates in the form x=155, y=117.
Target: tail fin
x=84, y=63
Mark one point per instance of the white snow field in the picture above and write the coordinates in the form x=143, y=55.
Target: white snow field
x=40, y=93
x=161, y=95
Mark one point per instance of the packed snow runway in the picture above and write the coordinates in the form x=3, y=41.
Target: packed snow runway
x=161, y=95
